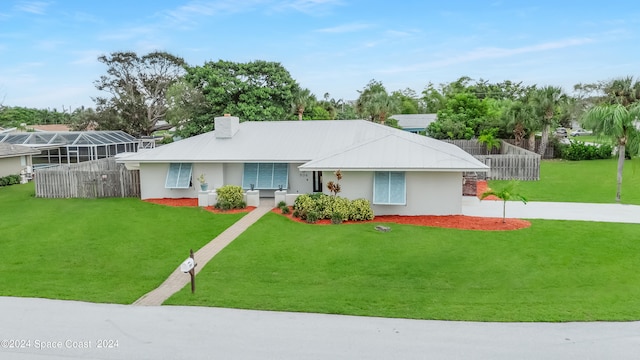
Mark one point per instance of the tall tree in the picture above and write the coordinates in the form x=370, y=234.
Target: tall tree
x=408, y=101
x=617, y=122
x=463, y=117
x=374, y=103
x=545, y=101
x=520, y=120
x=189, y=112
x=255, y=91
x=137, y=86
x=624, y=91
x=302, y=99
x=433, y=99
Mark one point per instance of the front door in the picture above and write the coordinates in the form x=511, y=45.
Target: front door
x=317, y=181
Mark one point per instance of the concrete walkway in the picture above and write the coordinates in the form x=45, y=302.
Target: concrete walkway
x=177, y=280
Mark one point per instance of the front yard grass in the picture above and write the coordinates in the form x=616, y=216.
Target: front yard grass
x=592, y=181
x=553, y=271
x=99, y=250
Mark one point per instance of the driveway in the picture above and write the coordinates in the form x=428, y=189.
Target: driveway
x=473, y=206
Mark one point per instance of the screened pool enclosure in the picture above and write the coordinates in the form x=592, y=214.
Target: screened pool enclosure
x=71, y=147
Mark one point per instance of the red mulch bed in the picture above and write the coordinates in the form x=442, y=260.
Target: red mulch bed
x=448, y=221
x=481, y=187
x=194, y=203
x=445, y=221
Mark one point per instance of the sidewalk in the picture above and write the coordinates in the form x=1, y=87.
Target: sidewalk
x=177, y=280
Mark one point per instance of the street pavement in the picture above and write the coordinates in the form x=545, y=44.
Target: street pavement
x=54, y=329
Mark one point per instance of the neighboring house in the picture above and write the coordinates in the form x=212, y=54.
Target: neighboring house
x=414, y=123
x=68, y=147
x=399, y=172
x=16, y=159
x=49, y=127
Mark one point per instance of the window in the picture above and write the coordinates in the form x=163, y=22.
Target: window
x=389, y=188
x=179, y=176
x=265, y=175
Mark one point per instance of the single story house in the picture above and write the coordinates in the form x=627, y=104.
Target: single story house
x=415, y=123
x=400, y=173
x=16, y=160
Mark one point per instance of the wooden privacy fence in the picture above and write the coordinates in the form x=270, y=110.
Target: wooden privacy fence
x=91, y=179
x=507, y=163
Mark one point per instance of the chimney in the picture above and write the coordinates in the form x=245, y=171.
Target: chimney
x=226, y=126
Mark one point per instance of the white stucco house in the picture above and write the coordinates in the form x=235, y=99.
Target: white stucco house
x=16, y=160
x=399, y=172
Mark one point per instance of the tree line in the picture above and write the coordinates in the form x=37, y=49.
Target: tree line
x=158, y=90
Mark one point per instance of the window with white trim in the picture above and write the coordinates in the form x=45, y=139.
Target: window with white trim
x=178, y=176
x=389, y=188
x=266, y=176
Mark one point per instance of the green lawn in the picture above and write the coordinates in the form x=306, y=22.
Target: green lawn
x=553, y=271
x=100, y=250
x=591, y=139
x=116, y=250
x=591, y=181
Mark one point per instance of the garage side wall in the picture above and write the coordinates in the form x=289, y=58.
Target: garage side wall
x=428, y=193
x=10, y=166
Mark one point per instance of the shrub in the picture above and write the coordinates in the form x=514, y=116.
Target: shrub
x=324, y=205
x=360, y=209
x=342, y=207
x=223, y=205
x=312, y=217
x=336, y=218
x=282, y=204
x=9, y=180
x=285, y=209
x=327, y=207
x=580, y=151
x=230, y=197
x=303, y=204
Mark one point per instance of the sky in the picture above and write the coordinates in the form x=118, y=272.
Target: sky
x=49, y=48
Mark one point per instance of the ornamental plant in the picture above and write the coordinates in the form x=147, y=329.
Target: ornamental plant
x=334, y=187
x=230, y=197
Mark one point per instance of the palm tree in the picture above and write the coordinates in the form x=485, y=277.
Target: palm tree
x=302, y=99
x=545, y=101
x=519, y=119
x=505, y=194
x=623, y=91
x=617, y=122
x=489, y=140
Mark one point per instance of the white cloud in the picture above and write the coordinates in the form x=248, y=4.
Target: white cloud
x=196, y=9
x=33, y=7
x=129, y=33
x=491, y=53
x=345, y=28
x=310, y=6
x=87, y=57
x=49, y=44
